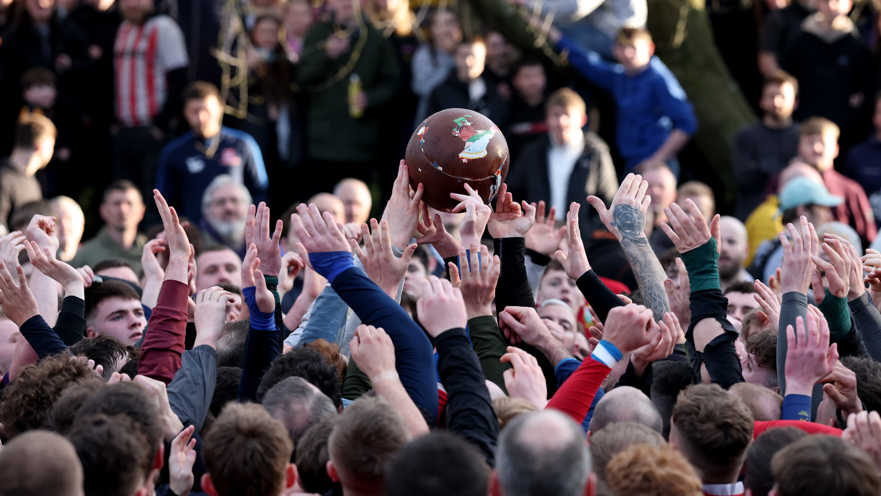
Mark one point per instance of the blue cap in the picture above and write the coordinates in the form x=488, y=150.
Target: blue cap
x=803, y=191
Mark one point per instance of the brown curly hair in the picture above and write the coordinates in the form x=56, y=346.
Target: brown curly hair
x=28, y=401
x=652, y=471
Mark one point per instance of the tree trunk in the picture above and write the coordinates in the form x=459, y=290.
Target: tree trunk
x=684, y=41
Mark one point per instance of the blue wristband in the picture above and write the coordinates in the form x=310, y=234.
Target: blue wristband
x=331, y=264
x=796, y=407
x=260, y=321
x=607, y=353
x=468, y=258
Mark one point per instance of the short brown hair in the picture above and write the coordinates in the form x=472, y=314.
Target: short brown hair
x=200, y=90
x=38, y=463
x=247, y=452
x=28, y=400
x=614, y=439
x=780, y=78
x=695, y=188
x=821, y=465
x=311, y=458
x=652, y=471
x=566, y=98
x=714, y=428
x=31, y=129
x=749, y=320
x=123, y=185
x=626, y=36
x=38, y=76
x=762, y=402
x=508, y=408
x=759, y=478
x=331, y=354
x=818, y=125
x=106, y=290
x=71, y=400
x=365, y=438
x=114, y=452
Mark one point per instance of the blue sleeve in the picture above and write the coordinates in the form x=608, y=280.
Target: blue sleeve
x=585, y=425
x=328, y=315
x=261, y=347
x=674, y=102
x=796, y=407
x=591, y=65
x=41, y=337
x=413, y=350
x=191, y=390
x=148, y=312
x=564, y=369
x=256, y=179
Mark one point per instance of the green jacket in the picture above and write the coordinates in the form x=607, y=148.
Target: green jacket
x=333, y=134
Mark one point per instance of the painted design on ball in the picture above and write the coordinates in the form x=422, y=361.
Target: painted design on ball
x=476, y=140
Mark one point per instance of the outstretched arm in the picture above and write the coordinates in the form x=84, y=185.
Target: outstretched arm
x=625, y=218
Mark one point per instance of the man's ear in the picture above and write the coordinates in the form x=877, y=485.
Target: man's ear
x=331, y=472
x=590, y=489
x=837, y=150
x=208, y=486
x=495, y=488
x=292, y=476
x=651, y=48
x=91, y=333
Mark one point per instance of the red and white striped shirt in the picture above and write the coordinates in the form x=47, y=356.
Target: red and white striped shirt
x=143, y=55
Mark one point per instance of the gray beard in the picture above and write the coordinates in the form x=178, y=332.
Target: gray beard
x=231, y=233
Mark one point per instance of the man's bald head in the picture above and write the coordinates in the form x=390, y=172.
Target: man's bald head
x=326, y=202
x=356, y=199
x=37, y=463
x=626, y=404
x=542, y=453
x=798, y=169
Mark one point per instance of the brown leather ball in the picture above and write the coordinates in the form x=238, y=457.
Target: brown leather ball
x=454, y=147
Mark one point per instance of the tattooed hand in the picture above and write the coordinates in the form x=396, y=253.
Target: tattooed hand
x=625, y=218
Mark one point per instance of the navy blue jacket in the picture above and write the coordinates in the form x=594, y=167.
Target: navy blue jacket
x=185, y=171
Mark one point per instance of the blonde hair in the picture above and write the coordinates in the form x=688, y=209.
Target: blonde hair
x=507, y=409
x=652, y=471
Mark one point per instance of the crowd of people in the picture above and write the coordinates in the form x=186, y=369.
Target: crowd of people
x=217, y=278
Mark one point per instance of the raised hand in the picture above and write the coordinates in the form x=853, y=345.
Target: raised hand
x=380, y=262
x=680, y=298
x=690, y=229
x=856, y=280
x=435, y=234
x=625, y=217
x=797, y=257
x=252, y=276
x=156, y=390
x=837, y=272
x=373, y=351
x=660, y=347
x=10, y=246
x=522, y=324
x=842, y=389
x=257, y=233
x=543, y=237
x=87, y=274
x=769, y=315
x=441, y=307
x=44, y=260
x=402, y=210
x=180, y=462
x=808, y=358
x=291, y=265
x=774, y=284
x=16, y=300
x=210, y=315
x=575, y=262
x=864, y=432
x=477, y=215
x=478, y=285
x=43, y=231
x=525, y=379
x=510, y=220
x=317, y=233
x=177, y=240
x=150, y=263
x=629, y=327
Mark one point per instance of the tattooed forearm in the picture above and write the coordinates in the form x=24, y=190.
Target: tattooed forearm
x=647, y=269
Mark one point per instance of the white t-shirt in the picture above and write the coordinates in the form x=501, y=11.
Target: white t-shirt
x=561, y=161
